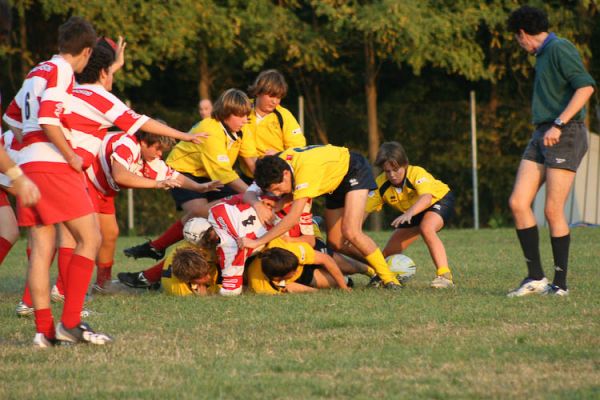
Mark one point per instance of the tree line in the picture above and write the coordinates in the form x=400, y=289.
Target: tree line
x=369, y=71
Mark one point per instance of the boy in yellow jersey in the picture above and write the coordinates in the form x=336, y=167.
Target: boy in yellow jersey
x=202, y=162
x=293, y=267
x=426, y=205
x=191, y=267
x=274, y=127
x=344, y=177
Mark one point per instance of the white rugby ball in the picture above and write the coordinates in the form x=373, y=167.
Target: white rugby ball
x=402, y=266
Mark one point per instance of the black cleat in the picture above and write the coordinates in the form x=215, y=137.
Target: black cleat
x=135, y=280
x=144, y=250
x=393, y=286
x=82, y=333
x=375, y=282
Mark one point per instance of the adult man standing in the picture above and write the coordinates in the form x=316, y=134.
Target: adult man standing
x=561, y=89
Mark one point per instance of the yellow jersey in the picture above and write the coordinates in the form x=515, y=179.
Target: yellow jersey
x=171, y=285
x=215, y=156
x=317, y=169
x=277, y=131
x=258, y=282
x=417, y=182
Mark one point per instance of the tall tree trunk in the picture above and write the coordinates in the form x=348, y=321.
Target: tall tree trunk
x=205, y=75
x=314, y=109
x=372, y=128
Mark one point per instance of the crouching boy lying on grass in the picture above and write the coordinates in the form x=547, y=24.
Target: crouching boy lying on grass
x=293, y=267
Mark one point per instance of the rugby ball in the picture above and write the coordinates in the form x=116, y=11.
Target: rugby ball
x=402, y=266
x=194, y=229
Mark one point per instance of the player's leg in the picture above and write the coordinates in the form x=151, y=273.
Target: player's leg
x=86, y=232
x=530, y=177
x=335, y=238
x=431, y=224
x=43, y=243
x=400, y=240
x=558, y=186
x=66, y=245
x=109, y=230
x=9, y=231
x=352, y=220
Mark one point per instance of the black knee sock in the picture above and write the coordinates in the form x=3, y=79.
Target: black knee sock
x=560, y=251
x=530, y=244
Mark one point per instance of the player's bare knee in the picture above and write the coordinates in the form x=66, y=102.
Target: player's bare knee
x=352, y=235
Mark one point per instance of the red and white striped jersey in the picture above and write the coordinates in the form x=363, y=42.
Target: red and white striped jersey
x=44, y=99
x=6, y=140
x=124, y=149
x=95, y=110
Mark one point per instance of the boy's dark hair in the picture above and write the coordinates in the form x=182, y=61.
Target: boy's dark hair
x=270, y=82
x=150, y=138
x=189, y=264
x=231, y=102
x=532, y=20
x=392, y=152
x=75, y=35
x=278, y=262
x=269, y=170
x=101, y=59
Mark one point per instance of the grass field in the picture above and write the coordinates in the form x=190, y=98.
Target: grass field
x=469, y=342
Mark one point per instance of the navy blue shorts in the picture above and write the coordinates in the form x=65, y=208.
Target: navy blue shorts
x=444, y=207
x=359, y=176
x=183, y=195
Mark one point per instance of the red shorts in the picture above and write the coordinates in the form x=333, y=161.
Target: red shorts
x=102, y=204
x=4, y=199
x=64, y=197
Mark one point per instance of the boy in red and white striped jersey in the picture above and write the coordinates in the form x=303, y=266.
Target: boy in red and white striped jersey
x=45, y=155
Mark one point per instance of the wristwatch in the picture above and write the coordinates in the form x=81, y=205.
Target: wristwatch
x=558, y=123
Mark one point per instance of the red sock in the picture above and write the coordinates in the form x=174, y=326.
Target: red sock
x=80, y=270
x=103, y=273
x=171, y=236
x=27, y=293
x=44, y=323
x=64, y=258
x=5, y=247
x=153, y=274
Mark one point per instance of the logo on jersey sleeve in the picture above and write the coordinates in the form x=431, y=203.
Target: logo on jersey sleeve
x=133, y=114
x=371, y=193
x=297, y=131
x=301, y=186
x=223, y=158
x=421, y=180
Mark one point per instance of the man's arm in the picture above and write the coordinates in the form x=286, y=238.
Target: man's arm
x=295, y=287
x=189, y=184
x=422, y=203
x=57, y=137
x=153, y=126
x=25, y=189
x=125, y=178
x=291, y=219
x=579, y=99
x=265, y=214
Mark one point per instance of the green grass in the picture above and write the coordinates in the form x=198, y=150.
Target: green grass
x=470, y=342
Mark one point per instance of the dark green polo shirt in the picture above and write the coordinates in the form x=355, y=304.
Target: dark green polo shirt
x=559, y=72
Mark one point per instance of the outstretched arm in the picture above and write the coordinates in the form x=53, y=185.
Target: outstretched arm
x=153, y=126
x=422, y=204
x=189, y=184
x=331, y=267
x=125, y=178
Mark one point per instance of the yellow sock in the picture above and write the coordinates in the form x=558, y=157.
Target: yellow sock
x=370, y=272
x=377, y=261
x=445, y=272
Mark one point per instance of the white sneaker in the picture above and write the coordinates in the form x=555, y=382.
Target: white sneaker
x=441, y=282
x=56, y=296
x=529, y=286
x=23, y=310
x=82, y=333
x=553, y=290
x=41, y=342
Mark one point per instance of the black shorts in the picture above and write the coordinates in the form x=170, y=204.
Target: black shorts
x=566, y=154
x=444, y=207
x=307, y=276
x=183, y=195
x=359, y=176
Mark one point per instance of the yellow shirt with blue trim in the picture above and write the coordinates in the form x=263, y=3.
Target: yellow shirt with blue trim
x=171, y=285
x=215, y=156
x=258, y=282
x=417, y=182
x=317, y=169
x=277, y=131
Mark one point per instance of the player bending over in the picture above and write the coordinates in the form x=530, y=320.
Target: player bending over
x=344, y=177
x=426, y=205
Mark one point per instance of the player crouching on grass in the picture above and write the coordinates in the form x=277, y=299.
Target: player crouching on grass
x=292, y=267
x=426, y=205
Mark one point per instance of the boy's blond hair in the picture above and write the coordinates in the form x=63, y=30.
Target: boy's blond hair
x=231, y=102
x=190, y=264
x=269, y=82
